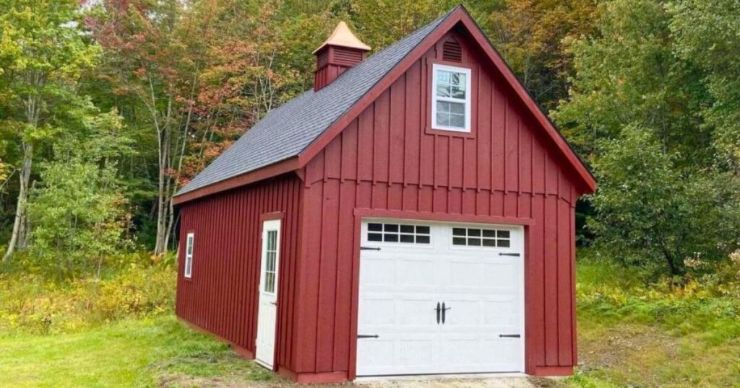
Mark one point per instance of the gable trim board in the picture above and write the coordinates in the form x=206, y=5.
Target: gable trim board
x=443, y=25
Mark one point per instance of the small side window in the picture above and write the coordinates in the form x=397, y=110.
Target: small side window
x=189, y=242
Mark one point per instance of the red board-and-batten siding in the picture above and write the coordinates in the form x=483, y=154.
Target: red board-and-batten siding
x=222, y=295
x=388, y=158
x=389, y=162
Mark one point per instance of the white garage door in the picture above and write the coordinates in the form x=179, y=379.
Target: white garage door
x=440, y=298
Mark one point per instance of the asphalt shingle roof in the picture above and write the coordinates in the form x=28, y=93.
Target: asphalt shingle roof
x=287, y=130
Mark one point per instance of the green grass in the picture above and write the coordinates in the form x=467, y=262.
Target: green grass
x=121, y=332
x=144, y=352
x=645, y=335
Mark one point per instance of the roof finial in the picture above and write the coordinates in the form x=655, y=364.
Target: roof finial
x=343, y=36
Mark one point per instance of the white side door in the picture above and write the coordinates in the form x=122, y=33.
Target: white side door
x=268, y=289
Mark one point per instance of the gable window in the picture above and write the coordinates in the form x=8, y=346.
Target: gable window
x=190, y=240
x=450, y=98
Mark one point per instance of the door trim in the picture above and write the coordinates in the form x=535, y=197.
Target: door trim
x=274, y=217
x=362, y=213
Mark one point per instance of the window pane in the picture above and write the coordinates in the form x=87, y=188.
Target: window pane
x=503, y=234
x=422, y=239
x=474, y=242
x=375, y=227
x=422, y=230
x=271, y=261
x=458, y=241
x=458, y=231
x=271, y=239
x=374, y=237
x=457, y=108
x=391, y=228
x=489, y=243
x=457, y=121
x=269, y=282
x=474, y=232
x=443, y=77
x=407, y=228
x=443, y=90
x=503, y=243
x=489, y=233
x=407, y=238
x=457, y=91
x=390, y=238
x=443, y=119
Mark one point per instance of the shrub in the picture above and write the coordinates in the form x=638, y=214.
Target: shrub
x=36, y=303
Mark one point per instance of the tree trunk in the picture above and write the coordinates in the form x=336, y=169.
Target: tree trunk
x=675, y=269
x=18, y=237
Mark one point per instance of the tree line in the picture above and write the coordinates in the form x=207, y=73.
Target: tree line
x=107, y=107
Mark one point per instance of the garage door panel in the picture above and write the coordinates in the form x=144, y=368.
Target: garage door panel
x=377, y=310
x=400, y=286
x=419, y=312
x=417, y=273
x=464, y=275
x=378, y=272
x=504, y=313
x=498, y=275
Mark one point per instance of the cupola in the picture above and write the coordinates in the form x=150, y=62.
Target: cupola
x=341, y=51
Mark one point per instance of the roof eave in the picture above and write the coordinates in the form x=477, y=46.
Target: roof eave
x=279, y=168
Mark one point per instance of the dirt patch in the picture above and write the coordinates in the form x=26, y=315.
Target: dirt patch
x=611, y=348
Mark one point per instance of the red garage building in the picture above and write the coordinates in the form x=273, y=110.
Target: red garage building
x=412, y=214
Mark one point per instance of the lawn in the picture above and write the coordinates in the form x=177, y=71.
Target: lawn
x=631, y=333
x=144, y=352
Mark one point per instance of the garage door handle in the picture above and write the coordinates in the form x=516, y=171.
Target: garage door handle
x=509, y=335
x=369, y=248
x=367, y=336
x=508, y=254
x=439, y=312
x=444, y=312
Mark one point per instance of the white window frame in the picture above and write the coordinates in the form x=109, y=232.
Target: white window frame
x=189, y=249
x=437, y=67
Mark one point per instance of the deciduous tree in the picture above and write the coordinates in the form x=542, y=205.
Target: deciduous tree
x=42, y=54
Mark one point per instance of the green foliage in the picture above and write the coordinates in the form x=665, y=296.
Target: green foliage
x=79, y=212
x=654, y=213
x=707, y=33
x=628, y=73
x=706, y=304
x=647, y=108
x=79, y=216
x=33, y=301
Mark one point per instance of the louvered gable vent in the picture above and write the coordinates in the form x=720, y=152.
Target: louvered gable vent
x=451, y=51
